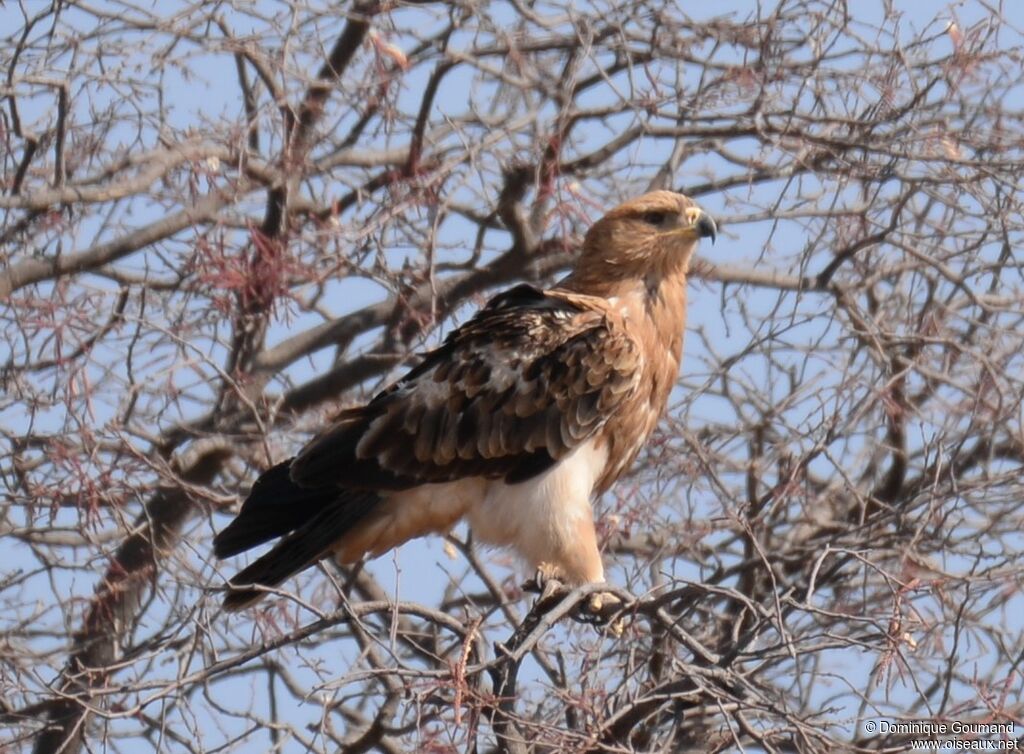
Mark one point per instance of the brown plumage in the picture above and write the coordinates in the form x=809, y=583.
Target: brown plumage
x=525, y=413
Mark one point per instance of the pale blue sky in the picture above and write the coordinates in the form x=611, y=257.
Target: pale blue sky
x=419, y=570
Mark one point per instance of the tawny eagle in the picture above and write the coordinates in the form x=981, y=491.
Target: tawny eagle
x=526, y=413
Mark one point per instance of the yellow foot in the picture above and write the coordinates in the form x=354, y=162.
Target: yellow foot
x=601, y=602
x=600, y=609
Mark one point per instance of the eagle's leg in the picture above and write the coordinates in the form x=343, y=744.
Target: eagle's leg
x=580, y=563
x=565, y=555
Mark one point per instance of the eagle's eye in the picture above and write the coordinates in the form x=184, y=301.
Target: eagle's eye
x=654, y=218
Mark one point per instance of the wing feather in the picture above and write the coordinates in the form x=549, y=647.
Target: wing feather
x=533, y=375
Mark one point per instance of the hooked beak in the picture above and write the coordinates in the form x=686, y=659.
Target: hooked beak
x=698, y=223
x=706, y=227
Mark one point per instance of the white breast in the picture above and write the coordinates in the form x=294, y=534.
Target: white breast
x=543, y=515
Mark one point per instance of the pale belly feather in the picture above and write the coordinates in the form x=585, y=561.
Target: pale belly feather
x=548, y=519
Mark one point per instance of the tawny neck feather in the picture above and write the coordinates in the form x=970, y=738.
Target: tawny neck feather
x=653, y=311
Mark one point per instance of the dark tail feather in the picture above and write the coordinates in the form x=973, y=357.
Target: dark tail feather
x=276, y=506
x=301, y=548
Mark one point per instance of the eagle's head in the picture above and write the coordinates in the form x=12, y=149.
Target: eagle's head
x=654, y=233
